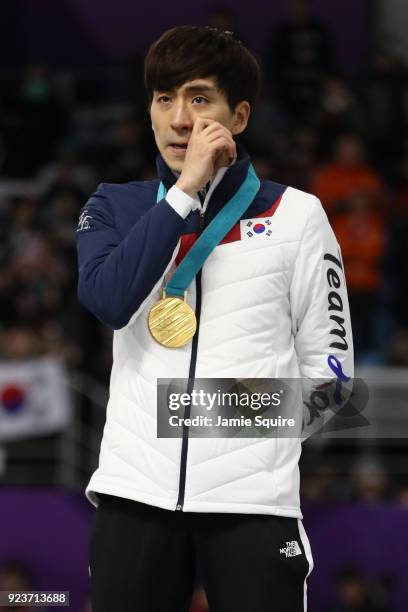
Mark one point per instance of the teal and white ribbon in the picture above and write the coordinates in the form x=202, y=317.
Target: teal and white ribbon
x=213, y=234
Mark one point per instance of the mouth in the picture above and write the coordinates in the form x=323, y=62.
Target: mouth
x=178, y=148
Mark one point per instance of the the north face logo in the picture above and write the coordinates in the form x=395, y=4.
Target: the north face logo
x=292, y=549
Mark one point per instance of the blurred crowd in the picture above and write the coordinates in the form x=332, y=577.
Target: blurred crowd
x=354, y=593
x=62, y=133
x=345, y=140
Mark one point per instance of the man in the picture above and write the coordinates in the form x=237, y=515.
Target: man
x=267, y=299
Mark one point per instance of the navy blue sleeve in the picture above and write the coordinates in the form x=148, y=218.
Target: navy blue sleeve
x=117, y=273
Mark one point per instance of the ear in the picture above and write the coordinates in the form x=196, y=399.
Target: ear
x=241, y=116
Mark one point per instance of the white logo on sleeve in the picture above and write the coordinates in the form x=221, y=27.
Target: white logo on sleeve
x=83, y=222
x=254, y=228
x=292, y=549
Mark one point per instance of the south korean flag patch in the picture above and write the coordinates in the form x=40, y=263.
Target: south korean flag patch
x=255, y=228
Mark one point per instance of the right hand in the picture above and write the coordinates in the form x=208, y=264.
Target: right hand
x=210, y=146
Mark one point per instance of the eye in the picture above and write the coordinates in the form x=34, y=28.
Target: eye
x=163, y=99
x=203, y=100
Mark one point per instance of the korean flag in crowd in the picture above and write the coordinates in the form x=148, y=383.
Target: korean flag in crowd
x=34, y=398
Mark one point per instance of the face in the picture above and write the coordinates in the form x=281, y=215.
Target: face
x=173, y=114
x=349, y=151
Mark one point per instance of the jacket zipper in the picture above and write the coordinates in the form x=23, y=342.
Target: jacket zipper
x=191, y=378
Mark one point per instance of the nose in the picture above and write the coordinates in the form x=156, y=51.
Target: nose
x=182, y=117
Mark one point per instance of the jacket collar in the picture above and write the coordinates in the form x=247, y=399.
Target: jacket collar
x=230, y=183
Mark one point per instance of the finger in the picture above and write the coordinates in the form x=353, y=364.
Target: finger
x=230, y=145
x=216, y=126
x=222, y=159
x=201, y=123
x=232, y=154
x=221, y=133
x=223, y=144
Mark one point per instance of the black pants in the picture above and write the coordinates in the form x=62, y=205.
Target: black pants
x=143, y=559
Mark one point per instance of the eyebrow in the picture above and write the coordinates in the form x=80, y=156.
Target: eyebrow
x=195, y=88
x=200, y=87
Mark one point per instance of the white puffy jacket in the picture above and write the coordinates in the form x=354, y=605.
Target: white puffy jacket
x=267, y=306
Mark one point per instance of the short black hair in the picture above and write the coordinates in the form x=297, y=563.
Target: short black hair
x=187, y=52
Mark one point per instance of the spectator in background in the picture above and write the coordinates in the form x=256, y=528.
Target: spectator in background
x=400, y=191
x=354, y=594
x=60, y=209
x=337, y=112
x=69, y=171
x=361, y=234
x=369, y=480
x=264, y=165
x=268, y=129
x=86, y=605
x=19, y=342
x=320, y=486
x=37, y=279
x=199, y=602
x=346, y=174
x=301, y=158
x=401, y=496
x=34, y=123
x=396, y=351
x=383, y=93
x=223, y=17
x=16, y=576
x=396, y=261
x=126, y=149
x=299, y=57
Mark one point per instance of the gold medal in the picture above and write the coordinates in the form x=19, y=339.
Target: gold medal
x=172, y=322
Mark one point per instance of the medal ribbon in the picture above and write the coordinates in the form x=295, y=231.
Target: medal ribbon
x=213, y=234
